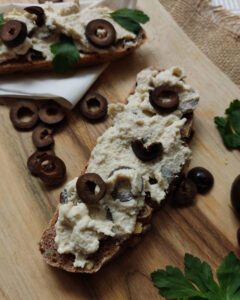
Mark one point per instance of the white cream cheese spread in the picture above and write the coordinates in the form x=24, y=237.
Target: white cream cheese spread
x=70, y=21
x=79, y=228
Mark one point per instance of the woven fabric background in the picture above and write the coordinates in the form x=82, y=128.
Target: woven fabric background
x=215, y=30
x=233, y=5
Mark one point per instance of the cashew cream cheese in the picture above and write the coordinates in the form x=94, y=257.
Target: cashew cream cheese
x=70, y=21
x=79, y=228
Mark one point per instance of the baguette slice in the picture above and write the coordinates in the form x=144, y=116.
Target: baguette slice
x=120, y=51
x=109, y=247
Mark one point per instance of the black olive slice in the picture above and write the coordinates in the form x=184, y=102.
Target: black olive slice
x=202, y=178
x=39, y=12
x=164, y=99
x=51, y=113
x=87, y=186
x=24, y=115
x=51, y=170
x=146, y=154
x=42, y=137
x=185, y=194
x=94, y=107
x=34, y=160
x=101, y=33
x=13, y=33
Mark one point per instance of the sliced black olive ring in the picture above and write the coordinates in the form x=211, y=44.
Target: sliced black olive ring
x=51, y=170
x=101, y=33
x=164, y=99
x=24, y=115
x=87, y=186
x=42, y=137
x=13, y=33
x=94, y=107
x=39, y=12
x=34, y=160
x=146, y=153
x=51, y=113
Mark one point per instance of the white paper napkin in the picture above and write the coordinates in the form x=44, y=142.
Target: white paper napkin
x=67, y=89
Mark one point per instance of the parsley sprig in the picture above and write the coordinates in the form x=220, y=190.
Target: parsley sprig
x=66, y=55
x=130, y=19
x=229, y=126
x=197, y=281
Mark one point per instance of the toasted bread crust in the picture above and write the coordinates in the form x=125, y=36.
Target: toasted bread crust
x=85, y=61
x=110, y=247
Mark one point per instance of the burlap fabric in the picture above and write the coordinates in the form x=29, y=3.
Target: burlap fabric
x=214, y=30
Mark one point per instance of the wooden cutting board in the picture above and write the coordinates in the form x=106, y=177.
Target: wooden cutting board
x=207, y=229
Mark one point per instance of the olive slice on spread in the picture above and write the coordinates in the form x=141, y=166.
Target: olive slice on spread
x=164, y=99
x=101, y=33
x=34, y=160
x=145, y=214
x=42, y=137
x=146, y=153
x=51, y=170
x=93, y=106
x=39, y=12
x=185, y=194
x=202, y=178
x=91, y=188
x=13, y=33
x=51, y=113
x=24, y=115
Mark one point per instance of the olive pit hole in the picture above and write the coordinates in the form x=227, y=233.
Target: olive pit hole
x=52, y=111
x=93, y=104
x=25, y=114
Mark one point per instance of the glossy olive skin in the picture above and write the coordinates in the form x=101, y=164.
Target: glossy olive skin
x=235, y=194
x=202, y=178
x=185, y=194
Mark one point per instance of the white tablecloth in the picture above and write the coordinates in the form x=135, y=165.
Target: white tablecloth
x=232, y=5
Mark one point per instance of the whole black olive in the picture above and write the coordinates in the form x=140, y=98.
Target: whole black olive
x=202, y=178
x=235, y=194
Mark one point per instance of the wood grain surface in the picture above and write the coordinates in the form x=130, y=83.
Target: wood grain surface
x=207, y=229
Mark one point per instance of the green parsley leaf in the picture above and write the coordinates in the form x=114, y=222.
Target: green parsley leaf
x=130, y=19
x=2, y=22
x=229, y=126
x=66, y=55
x=197, y=282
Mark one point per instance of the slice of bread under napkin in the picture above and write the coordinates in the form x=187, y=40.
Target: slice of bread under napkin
x=83, y=238
x=62, y=28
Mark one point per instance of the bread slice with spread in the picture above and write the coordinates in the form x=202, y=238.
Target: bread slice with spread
x=131, y=172
x=44, y=37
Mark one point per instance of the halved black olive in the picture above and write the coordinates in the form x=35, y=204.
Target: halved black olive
x=93, y=106
x=39, y=12
x=146, y=154
x=42, y=137
x=24, y=115
x=51, y=170
x=164, y=99
x=185, y=194
x=202, y=178
x=13, y=33
x=34, y=160
x=101, y=33
x=51, y=113
x=86, y=188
